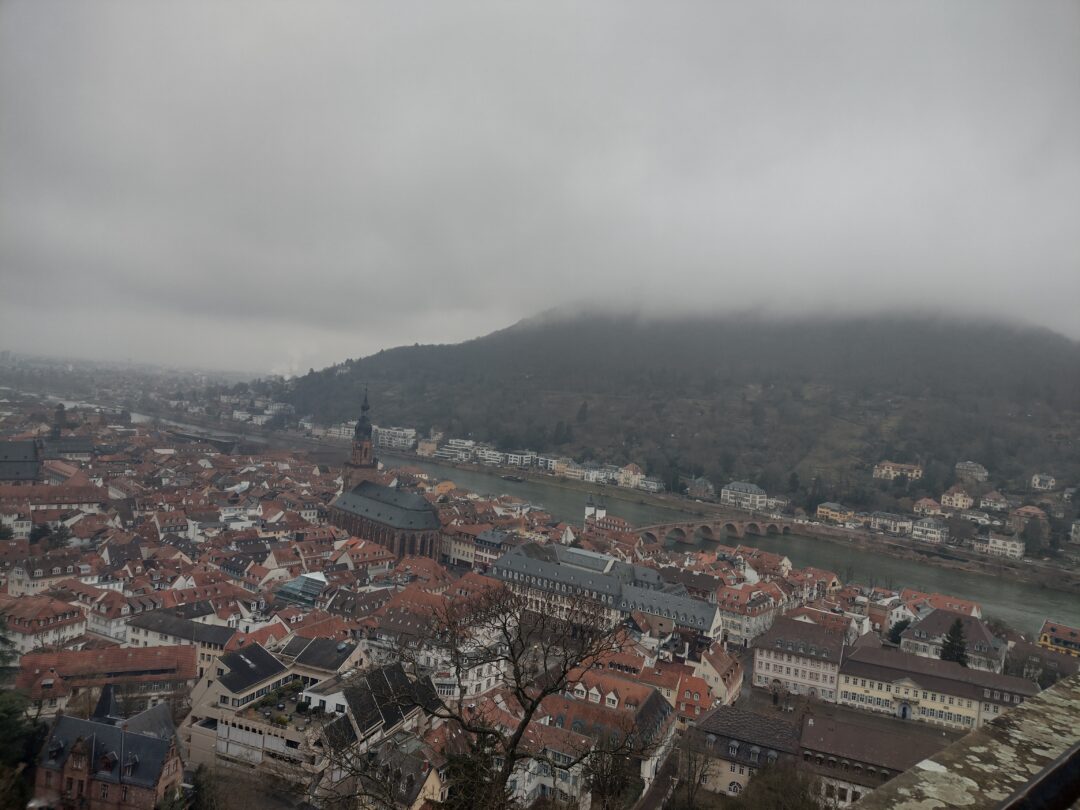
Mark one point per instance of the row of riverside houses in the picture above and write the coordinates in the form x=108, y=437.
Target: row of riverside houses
x=468, y=451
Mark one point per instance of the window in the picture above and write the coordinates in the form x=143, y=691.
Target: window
x=734, y=788
x=104, y=791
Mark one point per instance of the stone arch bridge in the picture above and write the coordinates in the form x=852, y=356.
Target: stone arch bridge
x=715, y=530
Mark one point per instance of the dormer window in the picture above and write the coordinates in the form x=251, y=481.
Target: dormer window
x=733, y=749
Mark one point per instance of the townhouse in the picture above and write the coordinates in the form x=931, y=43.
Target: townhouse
x=1060, y=638
x=96, y=765
x=741, y=495
x=926, y=637
x=891, y=470
x=890, y=523
x=741, y=743
x=40, y=622
x=956, y=497
x=799, y=657
x=164, y=628
x=1000, y=545
x=71, y=680
x=834, y=512
x=930, y=530
x=556, y=578
x=944, y=693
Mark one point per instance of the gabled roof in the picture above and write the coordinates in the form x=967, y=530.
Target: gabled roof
x=164, y=621
x=135, y=758
x=320, y=653
x=749, y=727
x=385, y=696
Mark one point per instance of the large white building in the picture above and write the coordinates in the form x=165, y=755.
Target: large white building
x=556, y=578
x=930, y=530
x=742, y=495
x=998, y=545
x=393, y=438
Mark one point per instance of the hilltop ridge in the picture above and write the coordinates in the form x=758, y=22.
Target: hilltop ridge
x=734, y=396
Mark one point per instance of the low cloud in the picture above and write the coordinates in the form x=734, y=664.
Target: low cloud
x=275, y=186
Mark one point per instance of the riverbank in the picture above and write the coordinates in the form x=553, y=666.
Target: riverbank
x=660, y=501
x=1041, y=575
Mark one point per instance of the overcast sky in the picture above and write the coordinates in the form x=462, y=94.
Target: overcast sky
x=273, y=186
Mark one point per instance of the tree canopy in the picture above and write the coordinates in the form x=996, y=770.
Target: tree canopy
x=955, y=646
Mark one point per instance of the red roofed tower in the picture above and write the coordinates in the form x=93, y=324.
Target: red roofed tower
x=362, y=464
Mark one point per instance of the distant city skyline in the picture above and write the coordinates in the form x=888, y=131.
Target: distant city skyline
x=282, y=187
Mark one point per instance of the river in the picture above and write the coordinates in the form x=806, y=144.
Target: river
x=1022, y=605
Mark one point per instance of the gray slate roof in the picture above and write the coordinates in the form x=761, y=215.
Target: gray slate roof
x=744, y=487
x=804, y=638
x=749, y=727
x=320, y=653
x=143, y=755
x=626, y=587
x=383, y=697
x=247, y=667
x=390, y=507
x=19, y=461
x=163, y=621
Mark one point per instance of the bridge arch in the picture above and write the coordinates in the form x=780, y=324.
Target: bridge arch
x=676, y=534
x=732, y=529
x=752, y=528
x=704, y=532
x=649, y=536
x=772, y=529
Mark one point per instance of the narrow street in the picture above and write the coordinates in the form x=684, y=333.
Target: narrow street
x=660, y=790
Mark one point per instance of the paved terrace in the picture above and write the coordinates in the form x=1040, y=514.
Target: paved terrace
x=1031, y=749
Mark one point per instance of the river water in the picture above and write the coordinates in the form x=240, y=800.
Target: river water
x=1022, y=605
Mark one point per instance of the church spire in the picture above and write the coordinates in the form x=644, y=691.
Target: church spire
x=362, y=464
x=363, y=426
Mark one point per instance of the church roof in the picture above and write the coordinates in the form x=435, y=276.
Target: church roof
x=19, y=461
x=389, y=507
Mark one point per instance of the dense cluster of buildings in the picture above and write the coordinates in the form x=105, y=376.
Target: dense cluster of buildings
x=1000, y=521
x=174, y=606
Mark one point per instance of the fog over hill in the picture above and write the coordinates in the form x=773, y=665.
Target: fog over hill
x=734, y=396
x=325, y=179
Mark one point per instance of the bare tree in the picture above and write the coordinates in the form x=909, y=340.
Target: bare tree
x=695, y=765
x=530, y=654
x=497, y=660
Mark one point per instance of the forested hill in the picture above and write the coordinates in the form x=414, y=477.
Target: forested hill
x=735, y=396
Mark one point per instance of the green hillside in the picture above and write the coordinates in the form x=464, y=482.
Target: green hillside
x=737, y=397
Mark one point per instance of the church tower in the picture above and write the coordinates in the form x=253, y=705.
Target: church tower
x=362, y=464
